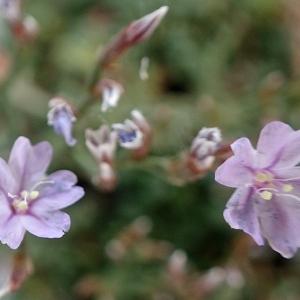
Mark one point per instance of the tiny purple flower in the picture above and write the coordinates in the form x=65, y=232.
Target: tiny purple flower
x=29, y=199
x=61, y=117
x=266, y=203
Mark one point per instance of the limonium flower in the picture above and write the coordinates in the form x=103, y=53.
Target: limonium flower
x=130, y=135
x=29, y=199
x=61, y=117
x=266, y=203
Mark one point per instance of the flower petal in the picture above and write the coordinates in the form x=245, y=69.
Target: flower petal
x=12, y=232
x=233, y=174
x=244, y=152
x=280, y=223
x=240, y=213
x=48, y=225
x=289, y=154
x=59, y=194
x=8, y=183
x=28, y=163
x=272, y=137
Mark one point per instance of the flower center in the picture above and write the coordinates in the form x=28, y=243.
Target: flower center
x=266, y=185
x=21, y=202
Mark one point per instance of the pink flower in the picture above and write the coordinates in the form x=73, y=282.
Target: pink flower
x=266, y=203
x=29, y=199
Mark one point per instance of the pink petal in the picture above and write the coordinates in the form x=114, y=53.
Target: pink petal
x=240, y=213
x=272, y=137
x=48, y=225
x=62, y=193
x=59, y=200
x=28, y=163
x=280, y=224
x=289, y=154
x=8, y=183
x=233, y=174
x=12, y=232
x=244, y=152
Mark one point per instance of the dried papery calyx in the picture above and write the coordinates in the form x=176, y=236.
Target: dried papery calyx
x=106, y=179
x=135, y=33
x=110, y=91
x=61, y=117
x=204, y=147
x=199, y=159
x=101, y=143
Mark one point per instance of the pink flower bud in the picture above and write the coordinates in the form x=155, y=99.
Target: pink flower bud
x=135, y=33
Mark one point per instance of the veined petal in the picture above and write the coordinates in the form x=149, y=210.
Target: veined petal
x=244, y=152
x=48, y=225
x=240, y=213
x=8, y=182
x=59, y=200
x=233, y=174
x=28, y=162
x=280, y=223
x=271, y=140
x=12, y=232
x=289, y=154
x=59, y=193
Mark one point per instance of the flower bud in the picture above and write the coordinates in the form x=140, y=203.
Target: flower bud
x=61, y=117
x=135, y=33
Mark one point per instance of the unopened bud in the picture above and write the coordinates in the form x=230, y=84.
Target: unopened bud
x=135, y=33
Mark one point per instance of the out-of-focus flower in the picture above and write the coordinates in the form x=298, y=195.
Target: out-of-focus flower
x=135, y=33
x=111, y=92
x=135, y=134
x=24, y=28
x=29, y=199
x=144, y=67
x=266, y=203
x=11, y=10
x=61, y=117
x=177, y=265
x=102, y=145
x=27, y=29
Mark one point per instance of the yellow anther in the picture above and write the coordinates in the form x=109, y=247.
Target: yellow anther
x=263, y=177
x=20, y=206
x=33, y=195
x=266, y=195
x=287, y=188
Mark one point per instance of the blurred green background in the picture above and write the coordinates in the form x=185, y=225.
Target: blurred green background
x=234, y=64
